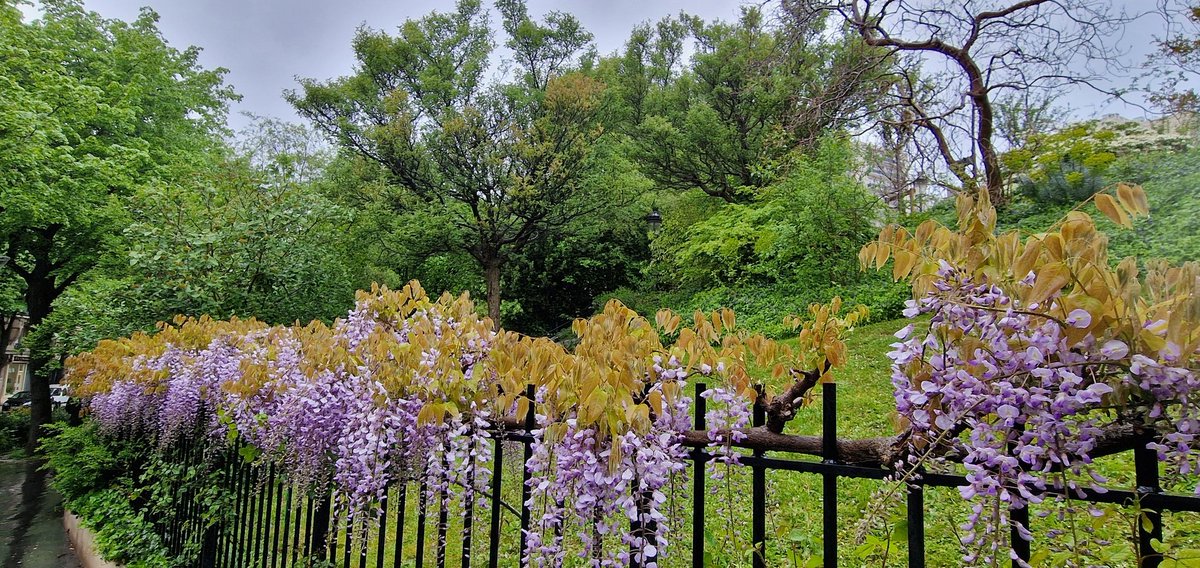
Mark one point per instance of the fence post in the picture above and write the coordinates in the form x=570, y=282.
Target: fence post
x=320, y=527
x=1020, y=546
x=277, y=526
x=829, y=451
x=698, y=479
x=1145, y=462
x=497, y=475
x=1018, y=517
x=529, y=424
x=916, y=526
x=422, y=504
x=208, y=547
x=469, y=512
x=758, y=490
x=382, y=539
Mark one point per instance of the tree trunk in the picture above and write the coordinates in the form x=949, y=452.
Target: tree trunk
x=39, y=294
x=491, y=274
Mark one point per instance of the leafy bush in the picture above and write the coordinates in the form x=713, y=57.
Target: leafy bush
x=14, y=428
x=122, y=533
x=96, y=476
x=1070, y=182
x=806, y=228
x=83, y=461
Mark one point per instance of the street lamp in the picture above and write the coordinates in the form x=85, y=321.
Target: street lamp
x=915, y=189
x=654, y=220
x=4, y=260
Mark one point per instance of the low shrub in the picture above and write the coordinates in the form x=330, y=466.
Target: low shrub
x=14, y=429
x=97, y=477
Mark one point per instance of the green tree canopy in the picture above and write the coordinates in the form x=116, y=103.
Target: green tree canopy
x=754, y=94
x=499, y=164
x=90, y=110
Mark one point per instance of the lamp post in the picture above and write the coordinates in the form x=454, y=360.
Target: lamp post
x=917, y=187
x=654, y=221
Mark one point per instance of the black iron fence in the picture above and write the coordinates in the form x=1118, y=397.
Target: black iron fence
x=271, y=523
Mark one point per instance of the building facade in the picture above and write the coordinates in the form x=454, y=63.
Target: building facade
x=14, y=358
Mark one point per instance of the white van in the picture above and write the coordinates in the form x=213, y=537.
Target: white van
x=59, y=394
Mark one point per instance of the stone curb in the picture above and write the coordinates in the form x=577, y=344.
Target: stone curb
x=84, y=543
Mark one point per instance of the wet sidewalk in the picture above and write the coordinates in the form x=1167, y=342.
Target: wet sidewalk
x=31, y=527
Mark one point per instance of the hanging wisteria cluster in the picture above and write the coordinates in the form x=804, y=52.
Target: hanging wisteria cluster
x=405, y=388
x=1037, y=352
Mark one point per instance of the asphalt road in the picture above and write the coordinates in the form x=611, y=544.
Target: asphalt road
x=31, y=529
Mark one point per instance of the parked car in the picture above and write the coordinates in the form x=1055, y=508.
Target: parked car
x=59, y=394
x=17, y=400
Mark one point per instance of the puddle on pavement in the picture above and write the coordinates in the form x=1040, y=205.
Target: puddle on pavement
x=31, y=529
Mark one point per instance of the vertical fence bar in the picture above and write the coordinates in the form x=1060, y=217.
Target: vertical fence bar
x=228, y=529
x=231, y=466
x=349, y=541
x=529, y=424
x=422, y=504
x=331, y=537
x=383, y=515
x=916, y=526
x=309, y=511
x=179, y=453
x=1020, y=546
x=698, y=479
x=635, y=525
x=295, y=549
x=469, y=513
x=443, y=523
x=1018, y=517
x=829, y=452
x=287, y=528
x=334, y=529
x=245, y=548
x=239, y=548
x=364, y=544
x=758, y=490
x=264, y=520
x=208, y=547
x=1145, y=463
x=210, y=544
x=277, y=526
x=401, y=508
x=319, y=534
x=192, y=508
x=497, y=475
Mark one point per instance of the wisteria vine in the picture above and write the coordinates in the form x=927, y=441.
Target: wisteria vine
x=405, y=388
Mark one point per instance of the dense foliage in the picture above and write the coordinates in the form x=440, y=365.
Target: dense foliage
x=1048, y=345
x=1038, y=355
x=91, y=110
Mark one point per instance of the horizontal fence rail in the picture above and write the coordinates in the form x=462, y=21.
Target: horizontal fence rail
x=271, y=523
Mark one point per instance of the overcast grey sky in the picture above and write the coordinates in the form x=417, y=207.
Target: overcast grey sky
x=266, y=44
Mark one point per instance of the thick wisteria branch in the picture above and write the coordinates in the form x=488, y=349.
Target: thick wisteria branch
x=879, y=451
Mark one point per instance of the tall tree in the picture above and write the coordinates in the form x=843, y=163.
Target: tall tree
x=90, y=108
x=498, y=163
x=988, y=48
x=755, y=91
